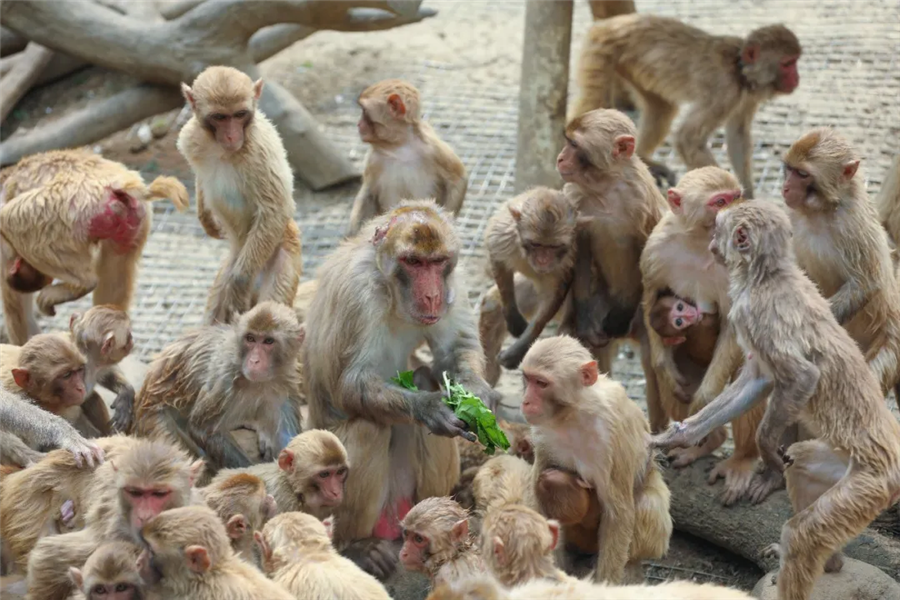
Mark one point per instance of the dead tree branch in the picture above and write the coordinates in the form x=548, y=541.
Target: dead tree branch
x=22, y=76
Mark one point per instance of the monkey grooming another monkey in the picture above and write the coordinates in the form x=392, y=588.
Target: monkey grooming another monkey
x=842, y=246
x=219, y=377
x=381, y=295
x=518, y=545
x=584, y=422
x=297, y=554
x=93, y=222
x=406, y=158
x=814, y=373
x=244, y=506
x=669, y=63
x=110, y=574
x=438, y=542
x=531, y=245
x=245, y=192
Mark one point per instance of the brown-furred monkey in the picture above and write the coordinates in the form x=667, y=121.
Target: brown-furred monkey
x=93, y=222
x=518, y=544
x=842, y=246
x=244, y=505
x=406, y=158
x=668, y=63
x=888, y=203
x=381, y=295
x=110, y=574
x=677, y=260
x=616, y=194
x=584, y=422
x=813, y=373
x=245, y=190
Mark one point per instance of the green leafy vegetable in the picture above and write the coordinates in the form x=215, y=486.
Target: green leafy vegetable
x=469, y=408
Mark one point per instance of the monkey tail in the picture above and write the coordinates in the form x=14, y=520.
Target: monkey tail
x=171, y=188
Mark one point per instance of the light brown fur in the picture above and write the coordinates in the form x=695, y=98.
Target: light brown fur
x=245, y=195
x=888, y=202
x=244, y=506
x=109, y=566
x=518, y=544
x=500, y=481
x=815, y=374
x=48, y=202
x=406, y=158
x=668, y=63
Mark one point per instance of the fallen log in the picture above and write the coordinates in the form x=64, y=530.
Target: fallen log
x=22, y=76
x=746, y=529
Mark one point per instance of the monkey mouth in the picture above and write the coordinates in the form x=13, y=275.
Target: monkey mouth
x=428, y=319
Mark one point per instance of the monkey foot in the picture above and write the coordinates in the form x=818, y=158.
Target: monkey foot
x=682, y=457
x=738, y=474
x=764, y=484
x=835, y=563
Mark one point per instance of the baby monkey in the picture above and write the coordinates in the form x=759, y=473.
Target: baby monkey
x=109, y=574
x=407, y=160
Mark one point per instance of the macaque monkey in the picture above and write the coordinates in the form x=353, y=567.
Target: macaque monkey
x=502, y=480
x=438, y=542
x=518, y=545
x=110, y=574
x=93, y=222
x=402, y=264
x=103, y=336
x=841, y=245
x=406, y=159
x=141, y=479
x=570, y=407
x=308, y=476
x=613, y=190
x=571, y=501
x=245, y=192
x=15, y=452
x=38, y=430
x=677, y=261
x=298, y=555
x=531, y=246
x=219, y=377
x=187, y=556
x=813, y=372
x=888, y=202
x=487, y=588
x=244, y=506
x=668, y=63
x=472, y=458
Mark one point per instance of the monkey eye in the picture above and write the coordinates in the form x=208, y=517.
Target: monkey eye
x=571, y=143
x=679, y=306
x=269, y=341
x=134, y=492
x=160, y=493
x=121, y=587
x=68, y=374
x=324, y=475
x=801, y=174
x=720, y=202
x=541, y=383
x=100, y=589
x=250, y=338
x=219, y=117
x=418, y=539
x=679, y=322
x=241, y=114
x=412, y=261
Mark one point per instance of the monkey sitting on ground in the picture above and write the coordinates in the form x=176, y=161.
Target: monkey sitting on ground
x=584, y=422
x=668, y=63
x=244, y=506
x=438, y=542
x=531, y=246
x=245, y=192
x=109, y=574
x=518, y=545
x=406, y=158
x=93, y=222
x=309, y=475
x=187, y=556
x=571, y=501
x=219, y=377
x=812, y=372
x=500, y=481
x=297, y=554
x=472, y=460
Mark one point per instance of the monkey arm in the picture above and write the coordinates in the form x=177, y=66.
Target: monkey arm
x=512, y=356
x=850, y=299
x=207, y=219
x=59, y=293
x=616, y=529
x=504, y=278
x=365, y=206
x=114, y=380
x=15, y=450
x=451, y=192
x=740, y=147
x=727, y=358
x=208, y=427
x=588, y=293
x=264, y=238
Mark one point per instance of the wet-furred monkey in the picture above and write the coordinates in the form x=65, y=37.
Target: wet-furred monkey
x=813, y=373
x=677, y=261
x=245, y=191
x=406, y=158
x=842, y=246
x=669, y=63
x=381, y=295
x=584, y=422
x=617, y=197
x=93, y=219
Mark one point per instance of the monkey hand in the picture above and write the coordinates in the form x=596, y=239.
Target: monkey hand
x=267, y=449
x=515, y=322
x=512, y=357
x=67, y=514
x=46, y=303
x=374, y=556
x=429, y=409
x=123, y=410
x=85, y=452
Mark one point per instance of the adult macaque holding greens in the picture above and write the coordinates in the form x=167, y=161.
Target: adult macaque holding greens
x=381, y=295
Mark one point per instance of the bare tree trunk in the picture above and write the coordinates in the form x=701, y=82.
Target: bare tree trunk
x=22, y=76
x=11, y=42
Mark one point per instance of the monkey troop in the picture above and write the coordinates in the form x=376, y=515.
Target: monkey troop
x=745, y=312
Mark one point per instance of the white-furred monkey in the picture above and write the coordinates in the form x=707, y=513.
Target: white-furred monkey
x=813, y=373
x=531, y=245
x=245, y=191
x=584, y=422
x=612, y=188
x=842, y=246
x=668, y=63
x=677, y=260
x=74, y=216
x=381, y=295
x=406, y=158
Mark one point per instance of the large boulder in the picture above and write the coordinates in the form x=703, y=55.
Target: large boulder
x=856, y=581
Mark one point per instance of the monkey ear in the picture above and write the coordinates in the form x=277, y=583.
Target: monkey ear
x=553, y=525
x=21, y=377
x=674, y=198
x=589, y=373
x=196, y=469
x=328, y=522
x=257, y=88
x=623, y=146
x=286, y=461
x=264, y=548
x=499, y=551
x=460, y=531
x=395, y=102
x=197, y=558
x=108, y=340
x=75, y=316
x=237, y=526
x=188, y=94
x=581, y=482
x=516, y=213
x=76, y=577
x=740, y=238
x=750, y=54
x=849, y=170
x=301, y=336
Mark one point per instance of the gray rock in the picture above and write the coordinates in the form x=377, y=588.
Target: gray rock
x=856, y=581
